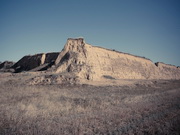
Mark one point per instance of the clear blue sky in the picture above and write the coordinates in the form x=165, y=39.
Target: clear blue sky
x=149, y=28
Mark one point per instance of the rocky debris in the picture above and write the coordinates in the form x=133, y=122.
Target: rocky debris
x=36, y=62
x=6, y=66
x=54, y=79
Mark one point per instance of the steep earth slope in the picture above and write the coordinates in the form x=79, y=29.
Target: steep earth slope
x=95, y=63
x=35, y=62
x=81, y=61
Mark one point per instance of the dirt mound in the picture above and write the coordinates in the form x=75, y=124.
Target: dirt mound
x=168, y=71
x=36, y=62
x=84, y=62
x=95, y=63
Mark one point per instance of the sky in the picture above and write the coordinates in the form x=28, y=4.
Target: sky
x=149, y=28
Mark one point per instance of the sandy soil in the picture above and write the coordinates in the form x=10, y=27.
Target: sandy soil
x=134, y=107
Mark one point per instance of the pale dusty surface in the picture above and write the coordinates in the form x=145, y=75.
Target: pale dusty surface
x=95, y=63
x=81, y=63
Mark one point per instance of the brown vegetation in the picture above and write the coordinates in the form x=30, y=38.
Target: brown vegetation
x=145, y=107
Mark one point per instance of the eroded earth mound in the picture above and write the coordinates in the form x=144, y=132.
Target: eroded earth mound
x=36, y=62
x=95, y=63
x=82, y=62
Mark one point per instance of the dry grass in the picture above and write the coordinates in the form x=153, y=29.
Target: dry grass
x=84, y=109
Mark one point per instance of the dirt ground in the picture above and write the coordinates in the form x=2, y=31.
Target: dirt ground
x=139, y=107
